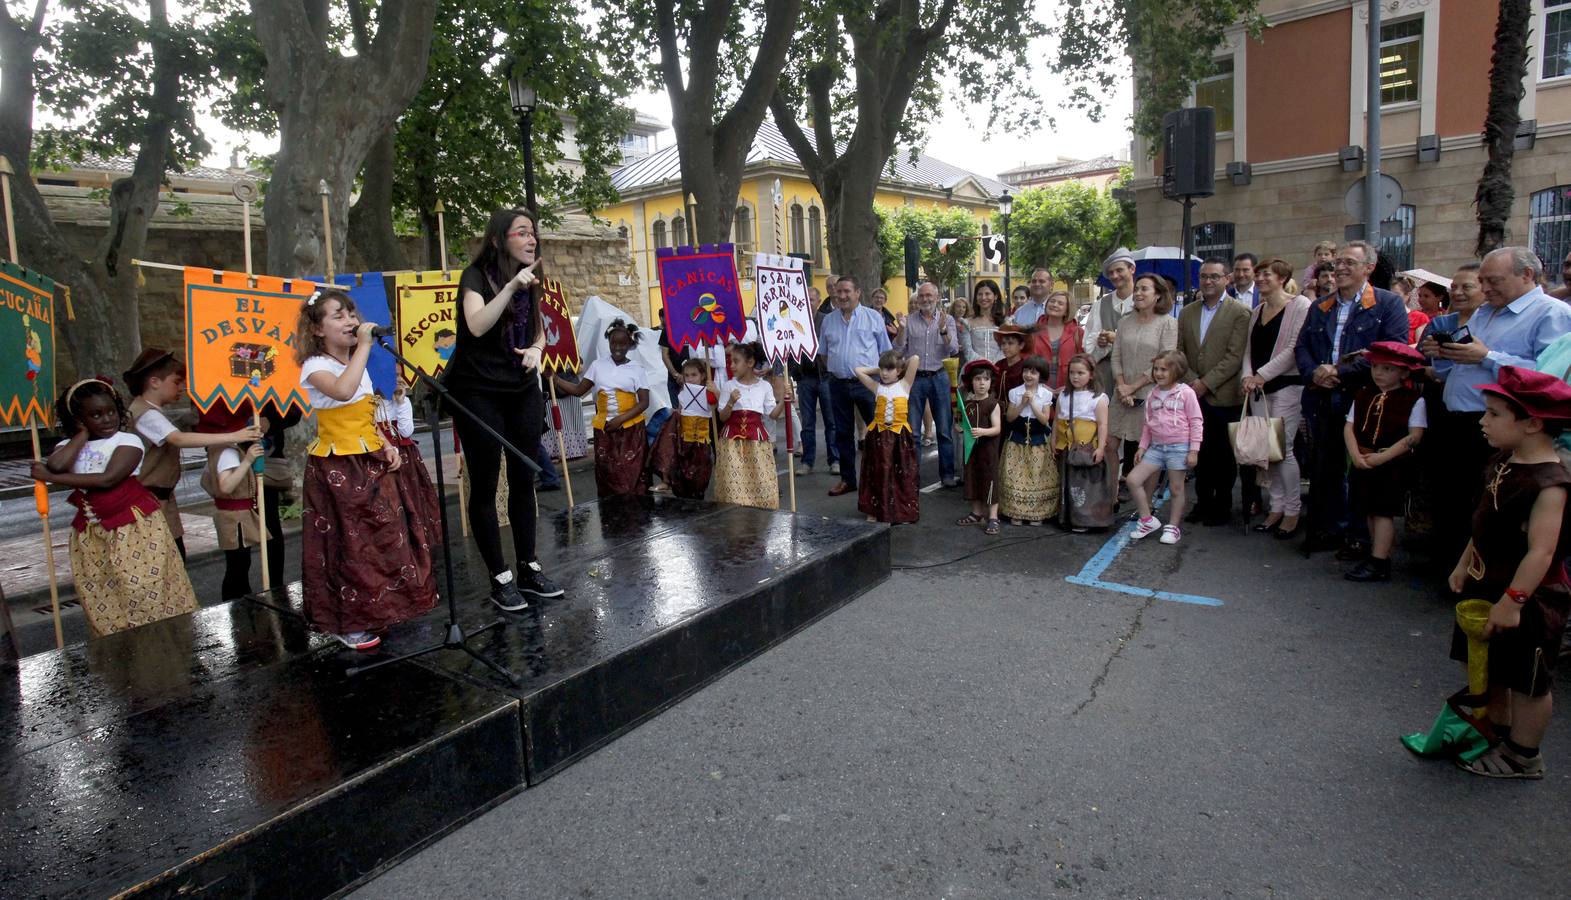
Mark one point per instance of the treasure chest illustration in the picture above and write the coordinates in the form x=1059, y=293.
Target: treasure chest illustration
x=252, y=362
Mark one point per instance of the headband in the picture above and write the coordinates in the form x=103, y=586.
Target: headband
x=71, y=392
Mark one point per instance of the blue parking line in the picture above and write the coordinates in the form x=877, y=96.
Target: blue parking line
x=1090, y=575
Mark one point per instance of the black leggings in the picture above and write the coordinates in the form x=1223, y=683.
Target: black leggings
x=519, y=417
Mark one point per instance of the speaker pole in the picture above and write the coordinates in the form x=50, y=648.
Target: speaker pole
x=1372, y=132
x=1188, y=244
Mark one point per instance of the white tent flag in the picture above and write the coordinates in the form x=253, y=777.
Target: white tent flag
x=785, y=312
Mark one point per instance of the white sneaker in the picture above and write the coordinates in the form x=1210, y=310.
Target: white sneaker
x=802, y=470
x=834, y=468
x=1145, y=527
x=1171, y=534
x=358, y=640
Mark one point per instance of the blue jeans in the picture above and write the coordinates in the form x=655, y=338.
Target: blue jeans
x=846, y=396
x=548, y=473
x=812, y=394
x=932, y=390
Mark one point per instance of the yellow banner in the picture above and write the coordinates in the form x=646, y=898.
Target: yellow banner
x=427, y=311
x=240, y=340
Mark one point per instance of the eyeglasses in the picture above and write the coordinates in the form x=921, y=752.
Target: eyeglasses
x=1349, y=261
x=520, y=232
x=1212, y=277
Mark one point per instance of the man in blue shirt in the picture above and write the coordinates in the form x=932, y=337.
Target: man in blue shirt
x=853, y=336
x=1333, y=367
x=1041, y=285
x=1517, y=322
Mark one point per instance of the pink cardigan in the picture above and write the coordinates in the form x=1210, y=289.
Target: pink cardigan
x=1172, y=417
x=1281, y=361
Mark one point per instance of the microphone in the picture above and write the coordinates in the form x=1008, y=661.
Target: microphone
x=382, y=331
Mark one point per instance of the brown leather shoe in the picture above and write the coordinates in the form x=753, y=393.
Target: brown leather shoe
x=840, y=488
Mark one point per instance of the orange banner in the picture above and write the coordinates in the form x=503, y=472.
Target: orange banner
x=240, y=340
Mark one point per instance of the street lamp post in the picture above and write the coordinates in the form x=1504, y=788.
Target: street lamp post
x=522, y=95
x=1006, y=205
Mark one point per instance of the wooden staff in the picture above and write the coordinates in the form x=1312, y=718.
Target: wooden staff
x=561, y=442
x=463, y=483
x=778, y=199
x=245, y=192
x=40, y=491
x=327, y=226
x=441, y=234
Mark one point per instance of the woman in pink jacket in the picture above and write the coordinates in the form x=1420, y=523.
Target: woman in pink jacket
x=1270, y=369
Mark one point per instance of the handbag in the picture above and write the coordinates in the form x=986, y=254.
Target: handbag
x=1257, y=440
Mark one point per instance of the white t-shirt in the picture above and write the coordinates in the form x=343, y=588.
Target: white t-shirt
x=758, y=397
x=400, y=414
x=692, y=400
x=1084, y=404
x=155, y=426
x=610, y=378
x=1418, y=418
x=95, y=455
x=322, y=363
x=1044, y=397
x=228, y=458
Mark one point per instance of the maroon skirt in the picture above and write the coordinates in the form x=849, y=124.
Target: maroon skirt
x=887, y=490
x=684, y=465
x=420, y=501
x=619, y=461
x=364, y=562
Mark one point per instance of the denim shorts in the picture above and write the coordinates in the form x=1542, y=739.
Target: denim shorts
x=1167, y=456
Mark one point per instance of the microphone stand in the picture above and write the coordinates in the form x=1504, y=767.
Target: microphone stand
x=455, y=639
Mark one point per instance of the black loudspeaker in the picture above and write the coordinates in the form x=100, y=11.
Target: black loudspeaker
x=913, y=255
x=1189, y=152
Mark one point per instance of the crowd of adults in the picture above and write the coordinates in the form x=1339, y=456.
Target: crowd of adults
x=1290, y=342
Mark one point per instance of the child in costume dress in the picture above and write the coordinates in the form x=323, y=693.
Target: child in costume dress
x=621, y=395
x=1029, y=493
x=127, y=568
x=887, y=489
x=1517, y=560
x=981, y=467
x=229, y=480
x=1169, y=440
x=156, y=379
x=1384, y=425
x=364, y=563
x=396, y=418
x=745, y=460
x=1082, y=435
x=1011, y=340
x=683, y=453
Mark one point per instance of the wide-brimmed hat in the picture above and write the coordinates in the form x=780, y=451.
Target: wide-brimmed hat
x=977, y=365
x=145, y=361
x=1010, y=329
x=1395, y=353
x=1420, y=276
x=1122, y=255
x=1540, y=395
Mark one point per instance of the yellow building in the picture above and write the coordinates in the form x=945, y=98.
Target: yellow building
x=650, y=213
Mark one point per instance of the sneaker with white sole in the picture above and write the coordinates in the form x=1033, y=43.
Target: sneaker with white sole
x=1171, y=534
x=1145, y=527
x=358, y=640
x=532, y=581
x=834, y=468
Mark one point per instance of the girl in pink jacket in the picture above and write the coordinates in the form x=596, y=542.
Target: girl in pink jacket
x=1170, y=439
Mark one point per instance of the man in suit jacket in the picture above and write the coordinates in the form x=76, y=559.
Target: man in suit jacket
x=1337, y=327
x=1211, y=335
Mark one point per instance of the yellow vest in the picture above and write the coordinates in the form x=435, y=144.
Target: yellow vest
x=347, y=430
x=881, y=412
x=624, y=401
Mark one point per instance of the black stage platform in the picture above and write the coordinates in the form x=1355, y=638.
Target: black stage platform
x=226, y=753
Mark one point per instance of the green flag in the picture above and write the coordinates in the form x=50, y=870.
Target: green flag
x=967, y=439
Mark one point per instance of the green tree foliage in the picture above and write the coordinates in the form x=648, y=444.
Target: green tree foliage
x=1069, y=228
x=927, y=226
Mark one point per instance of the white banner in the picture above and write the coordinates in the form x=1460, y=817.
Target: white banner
x=785, y=312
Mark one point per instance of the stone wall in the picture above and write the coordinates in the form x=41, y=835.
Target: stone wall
x=588, y=259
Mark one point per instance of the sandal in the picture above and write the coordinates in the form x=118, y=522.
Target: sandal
x=970, y=519
x=993, y=527
x=1500, y=762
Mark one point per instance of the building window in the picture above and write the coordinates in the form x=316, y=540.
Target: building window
x=1549, y=223
x=742, y=237
x=1396, y=237
x=815, y=235
x=1557, y=39
x=679, y=231
x=1401, y=54
x=1214, y=239
x=798, y=233
x=1216, y=91
x=660, y=235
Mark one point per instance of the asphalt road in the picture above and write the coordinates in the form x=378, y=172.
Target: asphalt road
x=978, y=726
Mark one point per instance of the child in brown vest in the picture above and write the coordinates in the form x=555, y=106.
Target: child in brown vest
x=1384, y=425
x=228, y=480
x=156, y=378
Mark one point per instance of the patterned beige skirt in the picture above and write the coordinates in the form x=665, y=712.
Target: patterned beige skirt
x=129, y=576
x=1030, y=486
x=745, y=474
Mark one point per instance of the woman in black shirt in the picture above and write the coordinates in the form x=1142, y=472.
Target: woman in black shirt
x=495, y=373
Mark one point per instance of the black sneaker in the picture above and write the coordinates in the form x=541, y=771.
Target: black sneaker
x=532, y=581
x=506, y=596
x=1371, y=569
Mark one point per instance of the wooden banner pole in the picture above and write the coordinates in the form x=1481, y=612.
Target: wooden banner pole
x=40, y=490
x=561, y=443
x=441, y=233
x=463, y=484
x=777, y=198
x=245, y=192
x=327, y=227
